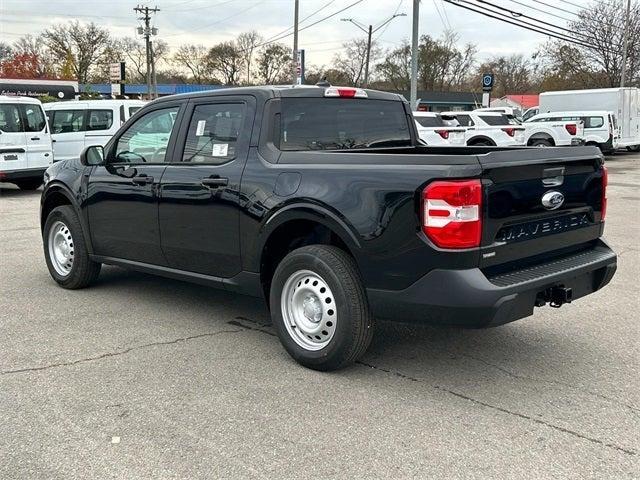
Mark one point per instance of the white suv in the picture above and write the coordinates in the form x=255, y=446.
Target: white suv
x=25, y=142
x=434, y=131
x=487, y=128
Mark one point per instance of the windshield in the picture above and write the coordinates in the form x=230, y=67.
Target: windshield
x=342, y=123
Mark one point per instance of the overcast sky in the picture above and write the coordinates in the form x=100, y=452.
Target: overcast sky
x=211, y=21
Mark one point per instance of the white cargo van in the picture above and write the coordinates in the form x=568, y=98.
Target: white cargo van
x=623, y=103
x=25, y=142
x=76, y=125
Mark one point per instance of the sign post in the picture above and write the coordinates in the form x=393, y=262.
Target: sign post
x=487, y=85
x=300, y=67
x=117, y=77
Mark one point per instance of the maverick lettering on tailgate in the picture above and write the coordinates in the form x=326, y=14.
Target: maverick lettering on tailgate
x=540, y=228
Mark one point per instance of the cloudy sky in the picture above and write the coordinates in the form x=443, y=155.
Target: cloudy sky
x=211, y=21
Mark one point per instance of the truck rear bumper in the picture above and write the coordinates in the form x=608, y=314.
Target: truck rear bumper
x=469, y=298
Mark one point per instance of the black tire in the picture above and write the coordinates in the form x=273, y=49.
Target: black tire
x=83, y=271
x=540, y=142
x=634, y=148
x=481, y=143
x=28, y=184
x=354, y=325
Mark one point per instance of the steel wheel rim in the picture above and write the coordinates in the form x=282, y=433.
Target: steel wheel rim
x=61, y=250
x=308, y=310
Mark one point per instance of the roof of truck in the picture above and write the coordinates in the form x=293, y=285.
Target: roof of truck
x=285, y=91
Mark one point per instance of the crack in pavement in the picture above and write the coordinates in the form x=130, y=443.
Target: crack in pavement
x=116, y=353
x=235, y=323
x=633, y=409
x=597, y=441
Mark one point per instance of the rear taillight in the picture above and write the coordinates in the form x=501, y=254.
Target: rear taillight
x=509, y=131
x=451, y=213
x=571, y=128
x=605, y=182
x=443, y=133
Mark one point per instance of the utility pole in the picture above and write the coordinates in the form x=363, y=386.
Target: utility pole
x=414, y=55
x=625, y=44
x=147, y=31
x=295, y=41
x=370, y=31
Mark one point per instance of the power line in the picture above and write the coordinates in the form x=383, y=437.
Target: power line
x=218, y=21
x=570, y=20
x=557, y=8
x=446, y=16
x=435, y=4
x=521, y=24
x=301, y=21
x=517, y=15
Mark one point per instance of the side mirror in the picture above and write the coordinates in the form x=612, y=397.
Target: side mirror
x=93, y=155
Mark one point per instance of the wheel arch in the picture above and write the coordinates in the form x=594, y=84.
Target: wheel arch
x=56, y=195
x=297, y=225
x=541, y=136
x=480, y=138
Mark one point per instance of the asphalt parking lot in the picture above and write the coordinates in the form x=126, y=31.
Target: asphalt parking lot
x=144, y=377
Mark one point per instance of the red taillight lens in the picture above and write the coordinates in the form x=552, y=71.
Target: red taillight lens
x=452, y=213
x=443, y=133
x=605, y=182
x=571, y=128
x=509, y=131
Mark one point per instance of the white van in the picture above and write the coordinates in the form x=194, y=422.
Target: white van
x=25, y=142
x=76, y=125
x=600, y=127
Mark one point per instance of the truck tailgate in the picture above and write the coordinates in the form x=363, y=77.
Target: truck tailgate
x=538, y=204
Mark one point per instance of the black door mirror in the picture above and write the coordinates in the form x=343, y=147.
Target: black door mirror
x=93, y=155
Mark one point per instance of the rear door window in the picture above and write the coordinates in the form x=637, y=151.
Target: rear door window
x=342, y=123
x=10, y=121
x=34, y=118
x=213, y=134
x=99, y=120
x=430, y=122
x=67, y=121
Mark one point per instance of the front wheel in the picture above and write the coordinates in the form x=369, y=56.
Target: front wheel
x=65, y=250
x=319, y=308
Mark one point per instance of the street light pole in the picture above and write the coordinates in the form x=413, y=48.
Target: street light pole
x=370, y=31
x=414, y=55
x=295, y=41
x=625, y=44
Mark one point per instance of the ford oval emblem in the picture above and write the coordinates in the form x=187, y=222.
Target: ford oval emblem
x=552, y=200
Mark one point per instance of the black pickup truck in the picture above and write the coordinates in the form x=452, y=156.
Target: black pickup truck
x=324, y=201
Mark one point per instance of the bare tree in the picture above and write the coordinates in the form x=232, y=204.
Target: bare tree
x=35, y=46
x=353, y=57
x=225, y=59
x=246, y=44
x=133, y=52
x=395, y=69
x=273, y=62
x=195, y=58
x=6, y=52
x=601, y=25
x=82, y=44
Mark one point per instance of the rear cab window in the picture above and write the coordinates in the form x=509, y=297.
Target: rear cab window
x=342, y=123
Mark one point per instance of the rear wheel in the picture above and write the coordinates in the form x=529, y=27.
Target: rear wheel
x=319, y=308
x=28, y=184
x=634, y=148
x=481, y=143
x=540, y=142
x=65, y=250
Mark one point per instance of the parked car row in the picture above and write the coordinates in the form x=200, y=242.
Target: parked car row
x=33, y=135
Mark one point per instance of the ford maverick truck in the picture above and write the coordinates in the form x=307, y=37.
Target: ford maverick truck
x=322, y=200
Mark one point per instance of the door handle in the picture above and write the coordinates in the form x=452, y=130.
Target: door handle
x=215, y=182
x=142, y=179
x=35, y=138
